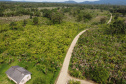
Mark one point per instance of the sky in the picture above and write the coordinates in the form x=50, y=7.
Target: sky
x=54, y=0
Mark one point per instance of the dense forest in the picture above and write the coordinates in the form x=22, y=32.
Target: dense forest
x=36, y=36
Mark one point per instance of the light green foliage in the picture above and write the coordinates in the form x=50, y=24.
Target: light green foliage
x=39, y=81
x=73, y=82
x=100, y=57
x=40, y=49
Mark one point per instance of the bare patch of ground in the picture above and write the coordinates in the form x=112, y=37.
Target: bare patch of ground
x=5, y=20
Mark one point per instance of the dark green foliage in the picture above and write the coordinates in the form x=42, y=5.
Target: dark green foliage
x=24, y=22
x=116, y=16
x=119, y=10
x=56, y=17
x=80, y=17
x=47, y=13
x=13, y=25
x=87, y=16
x=99, y=74
x=1, y=13
x=37, y=14
x=22, y=12
x=65, y=10
x=103, y=20
x=116, y=27
x=39, y=81
x=30, y=16
x=100, y=57
x=2, y=49
x=35, y=20
x=84, y=16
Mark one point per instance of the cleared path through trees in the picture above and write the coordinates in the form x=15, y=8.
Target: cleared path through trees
x=64, y=76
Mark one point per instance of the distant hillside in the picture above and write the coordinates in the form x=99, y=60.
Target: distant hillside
x=113, y=2
x=70, y=1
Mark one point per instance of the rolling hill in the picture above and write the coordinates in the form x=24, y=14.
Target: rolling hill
x=113, y=2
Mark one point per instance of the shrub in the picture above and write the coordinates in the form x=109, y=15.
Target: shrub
x=24, y=23
x=103, y=20
x=30, y=16
x=13, y=25
x=35, y=20
x=73, y=82
x=79, y=17
x=99, y=74
x=56, y=17
x=116, y=27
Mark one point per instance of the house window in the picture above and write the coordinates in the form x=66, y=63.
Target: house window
x=27, y=77
x=22, y=81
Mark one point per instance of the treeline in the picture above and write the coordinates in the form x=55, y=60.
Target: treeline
x=27, y=8
x=121, y=10
x=55, y=15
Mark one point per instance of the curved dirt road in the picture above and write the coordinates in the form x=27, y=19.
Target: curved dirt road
x=110, y=19
x=64, y=76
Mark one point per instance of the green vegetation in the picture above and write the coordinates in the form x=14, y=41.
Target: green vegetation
x=35, y=20
x=36, y=36
x=118, y=26
x=100, y=57
x=39, y=48
x=73, y=82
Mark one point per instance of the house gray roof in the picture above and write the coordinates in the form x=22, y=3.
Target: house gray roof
x=17, y=73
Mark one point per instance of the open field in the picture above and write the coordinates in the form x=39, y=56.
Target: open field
x=6, y=20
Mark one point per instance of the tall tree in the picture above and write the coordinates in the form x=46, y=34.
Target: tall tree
x=35, y=20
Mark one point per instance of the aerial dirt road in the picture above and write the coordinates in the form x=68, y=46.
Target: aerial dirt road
x=110, y=19
x=64, y=76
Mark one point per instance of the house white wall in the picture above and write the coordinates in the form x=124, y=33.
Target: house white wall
x=25, y=79
x=11, y=79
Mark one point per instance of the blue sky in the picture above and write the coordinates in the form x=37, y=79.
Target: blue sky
x=54, y=0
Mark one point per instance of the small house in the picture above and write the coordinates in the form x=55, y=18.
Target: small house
x=18, y=74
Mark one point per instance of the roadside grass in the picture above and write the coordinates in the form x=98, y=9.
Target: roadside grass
x=97, y=53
